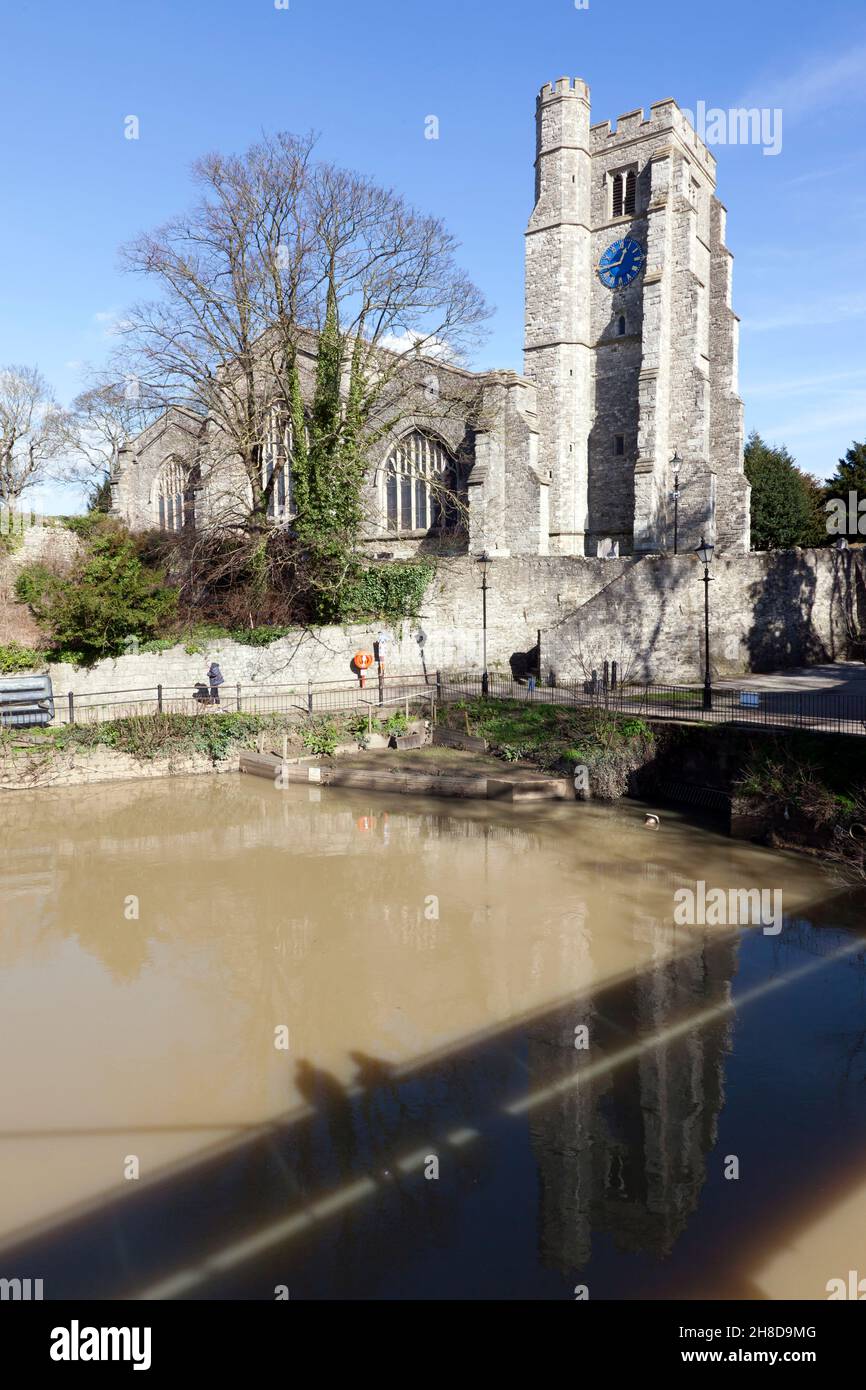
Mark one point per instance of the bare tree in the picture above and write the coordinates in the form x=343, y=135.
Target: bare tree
x=279, y=255
x=33, y=431
x=102, y=419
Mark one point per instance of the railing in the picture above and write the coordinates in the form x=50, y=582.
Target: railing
x=304, y=697
x=827, y=711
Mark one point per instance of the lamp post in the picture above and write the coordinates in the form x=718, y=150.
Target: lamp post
x=704, y=553
x=485, y=679
x=675, y=465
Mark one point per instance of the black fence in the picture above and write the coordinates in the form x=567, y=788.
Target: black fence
x=307, y=697
x=827, y=711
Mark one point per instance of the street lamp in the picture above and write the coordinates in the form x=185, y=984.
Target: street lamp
x=675, y=465
x=485, y=679
x=704, y=552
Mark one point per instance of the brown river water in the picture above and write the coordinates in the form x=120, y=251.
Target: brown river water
x=344, y=1046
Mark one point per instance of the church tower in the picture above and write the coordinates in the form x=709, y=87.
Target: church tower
x=631, y=340
x=557, y=344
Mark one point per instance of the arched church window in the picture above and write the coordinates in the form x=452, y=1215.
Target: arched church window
x=175, y=496
x=620, y=325
x=420, y=480
x=276, y=466
x=630, y=191
x=617, y=196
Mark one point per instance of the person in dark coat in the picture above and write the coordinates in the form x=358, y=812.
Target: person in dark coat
x=215, y=679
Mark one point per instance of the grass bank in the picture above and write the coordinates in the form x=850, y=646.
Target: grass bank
x=554, y=738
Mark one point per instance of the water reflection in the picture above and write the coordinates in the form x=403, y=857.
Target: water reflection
x=431, y=968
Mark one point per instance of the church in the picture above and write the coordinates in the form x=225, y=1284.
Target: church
x=624, y=434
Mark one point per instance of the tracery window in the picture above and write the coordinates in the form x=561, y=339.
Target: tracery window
x=276, y=459
x=175, y=497
x=420, y=483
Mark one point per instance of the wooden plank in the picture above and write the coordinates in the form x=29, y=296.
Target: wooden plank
x=528, y=789
x=259, y=764
x=409, y=741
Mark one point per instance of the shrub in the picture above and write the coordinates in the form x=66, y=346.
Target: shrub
x=320, y=737
x=111, y=597
x=14, y=657
x=357, y=725
x=397, y=724
x=31, y=584
x=394, y=591
x=148, y=736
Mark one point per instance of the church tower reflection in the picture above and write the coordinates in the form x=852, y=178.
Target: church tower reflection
x=622, y=1150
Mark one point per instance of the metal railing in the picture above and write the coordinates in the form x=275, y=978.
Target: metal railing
x=304, y=697
x=826, y=711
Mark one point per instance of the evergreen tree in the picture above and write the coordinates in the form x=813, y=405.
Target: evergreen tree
x=848, y=518
x=785, y=501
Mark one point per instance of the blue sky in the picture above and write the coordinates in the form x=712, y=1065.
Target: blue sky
x=213, y=74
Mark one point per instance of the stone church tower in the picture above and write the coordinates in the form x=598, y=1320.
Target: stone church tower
x=631, y=340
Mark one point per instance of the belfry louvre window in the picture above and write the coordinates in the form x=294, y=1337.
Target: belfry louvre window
x=630, y=191
x=623, y=193
x=420, y=478
x=175, y=497
x=276, y=459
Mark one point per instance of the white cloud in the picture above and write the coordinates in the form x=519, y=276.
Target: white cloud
x=405, y=341
x=110, y=321
x=822, y=81
x=796, y=386
x=843, y=417
x=811, y=315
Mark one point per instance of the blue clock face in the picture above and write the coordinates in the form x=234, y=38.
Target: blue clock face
x=620, y=263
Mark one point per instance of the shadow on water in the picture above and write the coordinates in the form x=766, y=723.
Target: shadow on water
x=523, y=1165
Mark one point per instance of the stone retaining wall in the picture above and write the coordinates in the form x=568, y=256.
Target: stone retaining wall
x=768, y=610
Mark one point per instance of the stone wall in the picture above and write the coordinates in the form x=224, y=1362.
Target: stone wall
x=525, y=595
x=768, y=610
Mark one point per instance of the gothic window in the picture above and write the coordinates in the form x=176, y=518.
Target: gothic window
x=620, y=326
x=420, y=478
x=175, y=497
x=276, y=460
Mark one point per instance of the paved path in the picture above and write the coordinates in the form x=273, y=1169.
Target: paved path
x=838, y=678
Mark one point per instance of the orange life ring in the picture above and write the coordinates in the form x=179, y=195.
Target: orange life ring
x=362, y=660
